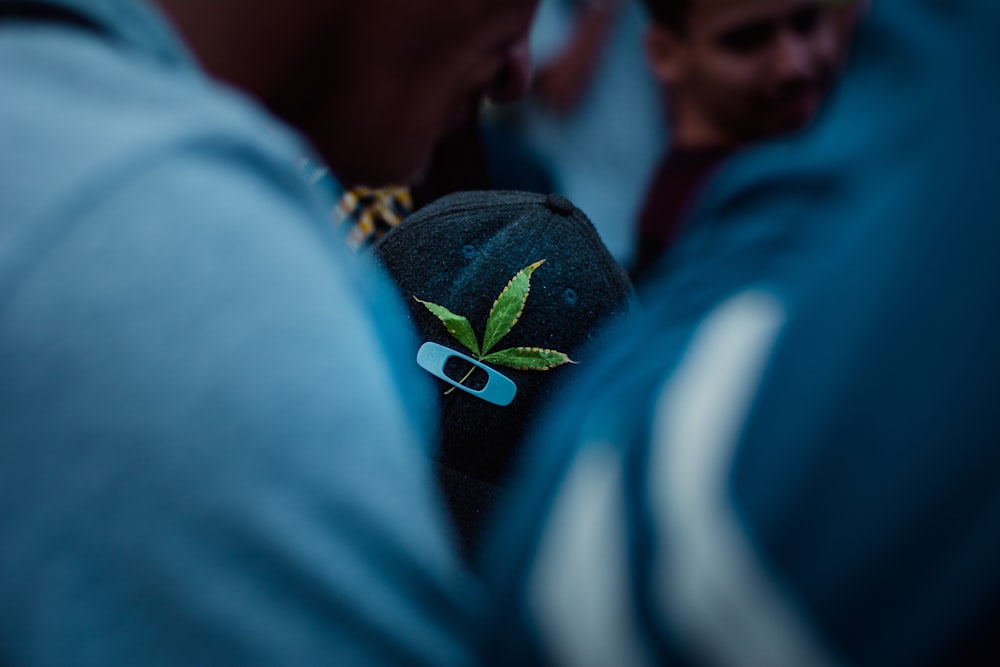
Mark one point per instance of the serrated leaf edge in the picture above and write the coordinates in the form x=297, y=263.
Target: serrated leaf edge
x=565, y=361
x=475, y=339
x=526, y=272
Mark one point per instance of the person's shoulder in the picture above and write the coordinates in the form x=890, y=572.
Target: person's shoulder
x=92, y=122
x=166, y=267
x=84, y=102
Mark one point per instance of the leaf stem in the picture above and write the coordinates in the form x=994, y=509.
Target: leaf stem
x=471, y=371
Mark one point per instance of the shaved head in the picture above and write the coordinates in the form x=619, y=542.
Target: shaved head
x=375, y=84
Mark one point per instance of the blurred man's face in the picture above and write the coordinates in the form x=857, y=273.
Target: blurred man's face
x=400, y=75
x=751, y=68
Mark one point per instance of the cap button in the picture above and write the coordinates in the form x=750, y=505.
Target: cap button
x=559, y=205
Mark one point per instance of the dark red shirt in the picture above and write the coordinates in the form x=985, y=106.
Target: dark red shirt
x=673, y=189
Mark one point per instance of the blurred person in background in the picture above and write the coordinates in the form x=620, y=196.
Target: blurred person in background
x=207, y=451
x=592, y=125
x=735, y=73
x=792, y=458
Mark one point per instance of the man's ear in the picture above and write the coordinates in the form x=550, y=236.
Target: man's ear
x=664, y=53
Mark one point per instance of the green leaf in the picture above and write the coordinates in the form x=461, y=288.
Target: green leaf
x=528, y=358
x=456, y=325
x=508, y=307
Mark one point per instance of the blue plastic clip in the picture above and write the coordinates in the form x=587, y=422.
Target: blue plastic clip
x=499, y=389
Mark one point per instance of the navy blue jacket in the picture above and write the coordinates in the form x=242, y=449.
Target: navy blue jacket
x=793, y=458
